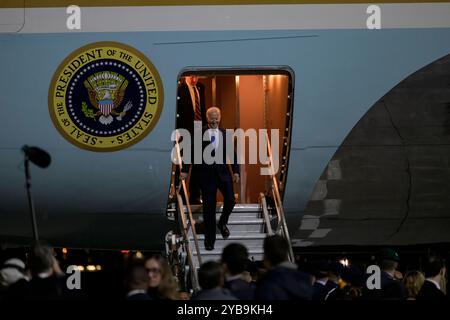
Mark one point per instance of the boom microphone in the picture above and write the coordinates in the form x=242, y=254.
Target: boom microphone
x=38, y=156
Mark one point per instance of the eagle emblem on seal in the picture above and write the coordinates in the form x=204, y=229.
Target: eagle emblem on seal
x=106, y=91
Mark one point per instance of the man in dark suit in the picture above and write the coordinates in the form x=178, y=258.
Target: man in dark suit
x=435, y=272
x=137, y=282
x=320, y=289
x=392, y=288
x=215, y=176
x=48, y=282
x=234, y=259
x=190, y=103
x=190, y=108
x=211, y=278
x=283, y=281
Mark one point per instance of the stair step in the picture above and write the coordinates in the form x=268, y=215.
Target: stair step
x=250, y=218
x=250, y=240
x=220, y=245
x=246, y=208
x=248, y=225
x=235, y=236
x=240, y=228
x=233, y=217
x=251, y=251
x=240, y=215
x=241, y=208
x=215, y=255
x=236, y=220
x=249, y=228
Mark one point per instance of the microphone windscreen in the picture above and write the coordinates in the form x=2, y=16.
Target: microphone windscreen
x=38, y=156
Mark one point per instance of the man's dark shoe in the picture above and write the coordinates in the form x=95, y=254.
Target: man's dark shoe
x=209, y=247
x=224, y=230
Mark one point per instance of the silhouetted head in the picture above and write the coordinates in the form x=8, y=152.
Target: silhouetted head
x=389, y=259
x=235, y=257
x=321, y=269
x=41, y=259
x=161, y=278
x=434, y=266
x=137, y=278
x=276, y=250
x=157, y=269
x=192, y=80
x=413, y=281
x=210, y=275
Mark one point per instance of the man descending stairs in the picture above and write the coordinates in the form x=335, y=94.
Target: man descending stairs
x=246, y=226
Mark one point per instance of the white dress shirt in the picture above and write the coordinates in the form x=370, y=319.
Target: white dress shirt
x=215, y=133
x=434, y=282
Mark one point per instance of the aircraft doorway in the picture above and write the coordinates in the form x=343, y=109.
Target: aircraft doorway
x=251, y=99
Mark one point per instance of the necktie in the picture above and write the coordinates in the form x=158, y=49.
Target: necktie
x=213, y=142
x=198, y=111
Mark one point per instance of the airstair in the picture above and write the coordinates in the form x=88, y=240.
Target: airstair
x=249, y=224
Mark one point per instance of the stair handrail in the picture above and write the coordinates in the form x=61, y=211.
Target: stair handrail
x=277, y=210
x=188, y=206
x=265, y=212
x=282, y=225
x=187, y=246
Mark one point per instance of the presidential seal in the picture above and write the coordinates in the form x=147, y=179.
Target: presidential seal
x=105, y=96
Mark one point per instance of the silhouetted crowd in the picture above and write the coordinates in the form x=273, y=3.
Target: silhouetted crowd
x=235, y=277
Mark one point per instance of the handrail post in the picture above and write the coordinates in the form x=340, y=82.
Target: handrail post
x=277, y=209
x=265, y=213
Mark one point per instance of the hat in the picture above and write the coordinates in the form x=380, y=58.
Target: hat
x=320, y=268
x=13, y=263
x=354, y=276
x=336, y=268
x=11, y=271
x=389, y=254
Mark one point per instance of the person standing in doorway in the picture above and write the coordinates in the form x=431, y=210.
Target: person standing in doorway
x=191, y=108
